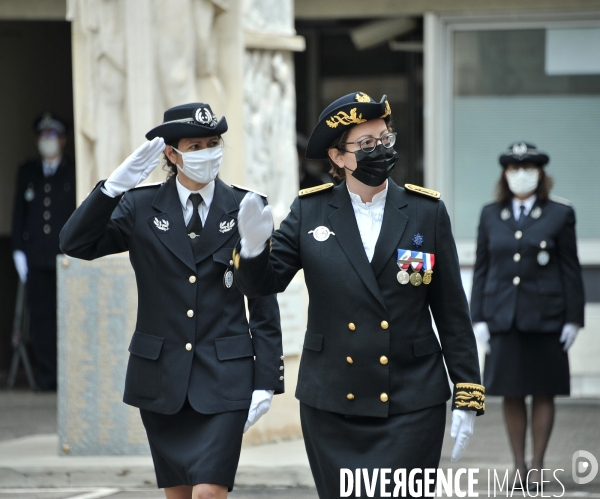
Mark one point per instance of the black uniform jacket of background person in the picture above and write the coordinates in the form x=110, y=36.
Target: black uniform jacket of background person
x=41, y=208
x=191, y=334
x=368, y=335
x=510, y=286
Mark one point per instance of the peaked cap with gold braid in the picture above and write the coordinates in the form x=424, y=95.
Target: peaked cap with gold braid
x=341, y=115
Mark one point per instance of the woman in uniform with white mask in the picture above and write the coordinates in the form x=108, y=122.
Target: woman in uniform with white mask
x=527, y=299
x=198, y=377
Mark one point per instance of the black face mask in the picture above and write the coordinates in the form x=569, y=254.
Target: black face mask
x=373, y=168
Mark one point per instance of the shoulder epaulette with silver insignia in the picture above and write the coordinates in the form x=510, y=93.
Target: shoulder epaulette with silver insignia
x=422, y=190
x=317, y=188
x=242, y=188
x=558, y=199
x=152, y=184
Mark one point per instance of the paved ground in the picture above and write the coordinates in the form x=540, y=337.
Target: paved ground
x=577, y=427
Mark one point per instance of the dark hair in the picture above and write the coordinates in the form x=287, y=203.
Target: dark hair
x=170, y=167
x=504, y=195
x=335, y=171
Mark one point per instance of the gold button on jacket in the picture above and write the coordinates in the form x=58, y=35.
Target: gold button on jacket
x=383, y=397
x=350, y=396
x=384, y=324
x=349, y=360
x=383, y=360
x=351, y=326
x=190, y=313
x=192, y=279
x=188, y=347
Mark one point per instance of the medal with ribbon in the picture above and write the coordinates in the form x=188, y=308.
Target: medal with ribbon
x=418, y=261
x=403, y=263
x=428, y=262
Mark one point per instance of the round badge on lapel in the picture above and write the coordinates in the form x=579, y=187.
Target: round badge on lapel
x=536, y=212
x=321, y=233
x=505, y=214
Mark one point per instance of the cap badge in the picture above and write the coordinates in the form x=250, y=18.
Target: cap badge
x=362, y=97
x=345, y=119
x=519, y=149
x=204, y=116
x=388, y=110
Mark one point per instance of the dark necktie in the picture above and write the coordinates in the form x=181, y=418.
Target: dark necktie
x=194, y=226
x=521, y=217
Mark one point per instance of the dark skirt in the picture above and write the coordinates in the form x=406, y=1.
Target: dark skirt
x=189, y=448
x=334, y=441
x=522, y=364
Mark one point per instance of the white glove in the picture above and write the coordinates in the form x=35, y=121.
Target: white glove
x=21, y=265
x=461, y=430
x=482, y=333
x=569, y=332
x=135, y=168
x=255, y=224
x=261, y=403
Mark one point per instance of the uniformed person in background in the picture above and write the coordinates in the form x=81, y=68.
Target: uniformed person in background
x=377, y=258
x=197, y=375
x=44, y=201
x=527, y=299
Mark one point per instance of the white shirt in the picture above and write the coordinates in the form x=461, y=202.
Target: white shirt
x=50, y=166
x=369, y=217
x=527, y=203
x=207, y=193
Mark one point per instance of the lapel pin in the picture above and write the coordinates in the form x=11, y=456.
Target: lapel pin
x=226, y=226
x=417, y=240
x=505, y=214
x=321, y=233
x=161, y=224
x=536, y=212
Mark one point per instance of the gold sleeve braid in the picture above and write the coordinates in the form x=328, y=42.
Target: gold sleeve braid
x=470, y=396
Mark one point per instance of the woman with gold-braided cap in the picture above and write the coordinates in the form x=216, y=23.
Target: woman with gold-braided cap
x=372, y=384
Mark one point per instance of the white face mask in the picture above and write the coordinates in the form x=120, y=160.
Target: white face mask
x=201, y=166
x=49, y=147
x=523, y=182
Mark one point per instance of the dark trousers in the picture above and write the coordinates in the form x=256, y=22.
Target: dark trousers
x=41, y=298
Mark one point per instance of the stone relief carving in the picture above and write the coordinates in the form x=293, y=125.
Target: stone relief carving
x=269, y=127
x=269, y=16
x=184, y=67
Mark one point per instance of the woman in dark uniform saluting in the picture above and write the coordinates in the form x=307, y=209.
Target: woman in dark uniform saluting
x=527, y=299
x=376, y=259
x=197, y=375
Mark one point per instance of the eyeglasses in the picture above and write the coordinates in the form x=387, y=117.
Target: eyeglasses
x=369, y=144
x=527, y=167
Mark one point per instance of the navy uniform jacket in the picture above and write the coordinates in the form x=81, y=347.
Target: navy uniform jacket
x=510, y=287
x=191, y=336
x=370, y=348
x=41, y=208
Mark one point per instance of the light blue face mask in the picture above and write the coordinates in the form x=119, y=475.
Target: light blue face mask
x=201, y=166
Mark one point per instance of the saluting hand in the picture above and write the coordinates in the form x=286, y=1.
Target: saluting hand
x=255, y=224
x=463, y=424
x=135, y=168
